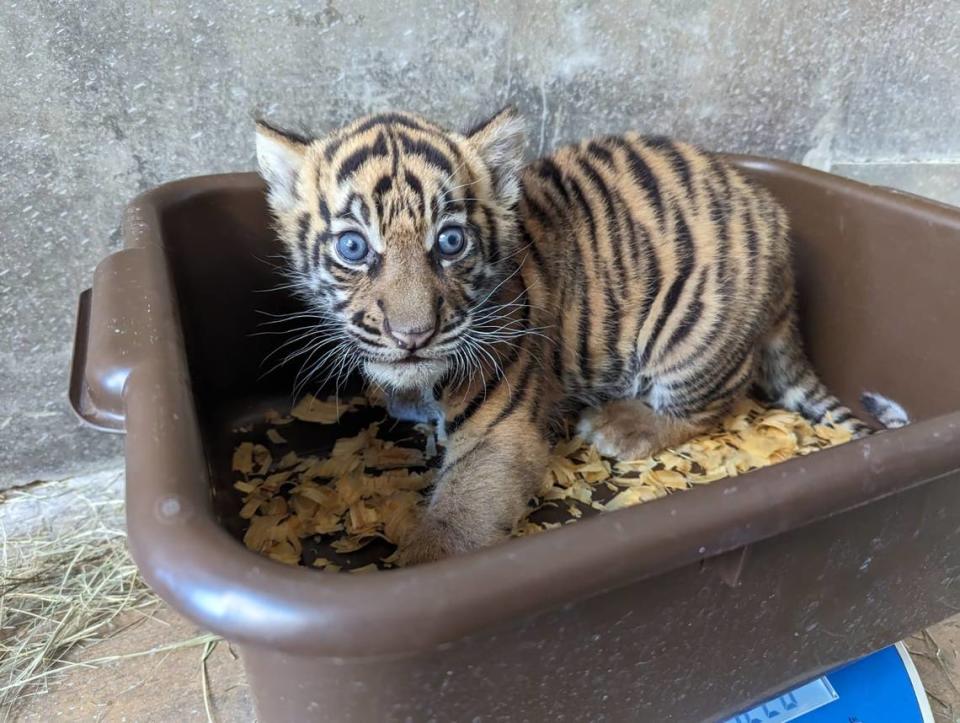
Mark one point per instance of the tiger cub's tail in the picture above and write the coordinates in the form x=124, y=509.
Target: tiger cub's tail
x=787, y=378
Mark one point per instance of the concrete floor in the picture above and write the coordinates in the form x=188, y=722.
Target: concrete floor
x=935, y=655
x=162, y=686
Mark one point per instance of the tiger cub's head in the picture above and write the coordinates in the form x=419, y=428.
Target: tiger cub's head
x=397, y=231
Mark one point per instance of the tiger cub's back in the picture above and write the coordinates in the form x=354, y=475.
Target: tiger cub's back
x=660, y=255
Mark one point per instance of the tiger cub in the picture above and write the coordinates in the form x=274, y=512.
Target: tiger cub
x=639, y=282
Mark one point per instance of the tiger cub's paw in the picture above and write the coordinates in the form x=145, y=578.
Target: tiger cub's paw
x=435, y=537
x=617, y=433
x=431, y=539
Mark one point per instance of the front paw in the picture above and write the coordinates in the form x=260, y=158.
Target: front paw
x=435, y=538
x=430, y=540
x=616, y=435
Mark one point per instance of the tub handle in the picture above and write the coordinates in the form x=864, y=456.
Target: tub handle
x=116, y=329
x=79, y=393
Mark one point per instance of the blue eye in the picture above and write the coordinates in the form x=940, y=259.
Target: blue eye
x=451, y=241
x=352, y=246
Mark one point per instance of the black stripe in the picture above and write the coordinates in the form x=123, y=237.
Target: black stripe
x=372, y=330
x=304, y=229
x=537, y=399
x=677, y=162
x=537, y=211
x=434, y=133
x=706, y=395
x=289, y=135
x=654, y=278
x=808, y=413
x=537, y=256
x=318, y=242
x=382, y=187
x=720, y=216
x=475, y=403
x=549, y=171
x=517, y=392
x=753, y=244
x=360, y=156
x=348, y=212
x=482, y=444
x=527, y=242
x=394, y=155
x=612, y=318
x=597, y=151
x=358, y=320
x=429, y=152
x=492, y=237
x=375, y=266
x=343, y=275
x=491, y=384
x=685, y=251
x=324, y=212
x=558, y=360
x=457, y=206
x=481, y=124
x=633, y=237
x=417, y=189
x=643, y=177
x=583, y=325
x=842, y=418
x=612, y=334
x=394, y=119
x=345, y=211
x=690, y=319
x=332, y=147
x=646, y=264
x=454, y=322
x=610, y=214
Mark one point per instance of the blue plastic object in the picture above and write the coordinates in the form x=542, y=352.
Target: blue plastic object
x=881, y=688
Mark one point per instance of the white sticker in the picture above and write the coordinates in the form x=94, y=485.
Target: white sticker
x=791, y=705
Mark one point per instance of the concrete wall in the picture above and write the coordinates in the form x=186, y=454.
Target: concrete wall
x=103, y=100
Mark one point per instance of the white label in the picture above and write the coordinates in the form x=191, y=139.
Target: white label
x=791, y=705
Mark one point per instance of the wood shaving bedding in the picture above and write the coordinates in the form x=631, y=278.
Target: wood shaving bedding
x=346, y=509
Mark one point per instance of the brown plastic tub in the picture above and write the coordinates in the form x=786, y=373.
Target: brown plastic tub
x=688, y=608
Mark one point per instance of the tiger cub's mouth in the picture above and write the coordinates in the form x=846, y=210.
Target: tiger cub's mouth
x=411, y=359
x=407, y=373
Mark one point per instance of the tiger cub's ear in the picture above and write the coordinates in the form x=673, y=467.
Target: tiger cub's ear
x=280, y=155
x=499, y=141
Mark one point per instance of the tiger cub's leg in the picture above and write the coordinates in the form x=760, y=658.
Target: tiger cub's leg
x=687, y=405
x=489, y=473
x=630, y=429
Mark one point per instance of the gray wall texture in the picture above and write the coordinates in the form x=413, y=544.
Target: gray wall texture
x=103, y=100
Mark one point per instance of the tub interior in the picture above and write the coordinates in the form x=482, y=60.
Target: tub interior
x=877, y=312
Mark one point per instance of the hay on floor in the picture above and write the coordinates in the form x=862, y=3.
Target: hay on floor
x=66, y=582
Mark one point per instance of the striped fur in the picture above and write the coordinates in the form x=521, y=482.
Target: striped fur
x=639, y=282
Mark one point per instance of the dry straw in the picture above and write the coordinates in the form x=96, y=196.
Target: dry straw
x=65, y=588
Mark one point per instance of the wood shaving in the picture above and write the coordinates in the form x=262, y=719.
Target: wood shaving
x=311, y=409
x=275, y=437
x=345, y=510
